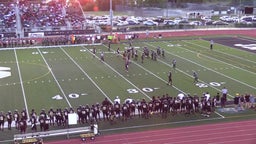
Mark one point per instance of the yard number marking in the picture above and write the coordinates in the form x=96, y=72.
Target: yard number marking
x=5, y=72
x=215, y=84
x=146, y=89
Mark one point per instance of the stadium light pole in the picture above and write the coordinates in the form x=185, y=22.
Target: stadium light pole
x=111, y=15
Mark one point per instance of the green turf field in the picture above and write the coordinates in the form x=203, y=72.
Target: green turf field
x=37, y=78
x=71, y=76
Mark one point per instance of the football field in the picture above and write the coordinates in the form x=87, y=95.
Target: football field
x=69, y=76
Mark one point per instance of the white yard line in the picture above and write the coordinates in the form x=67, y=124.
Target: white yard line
x=62, y=91
x=87, y=75
x=225, y=54
x=21, y=84
x=210, y=68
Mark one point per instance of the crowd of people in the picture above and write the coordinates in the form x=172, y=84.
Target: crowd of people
x=7, y=17
x=162, y=106
x=35, y=14
x=41, y=15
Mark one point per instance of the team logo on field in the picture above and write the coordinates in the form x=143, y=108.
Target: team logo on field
x=246, y=46
x=5, y=72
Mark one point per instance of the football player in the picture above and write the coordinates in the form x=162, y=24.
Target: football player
x=169, y=78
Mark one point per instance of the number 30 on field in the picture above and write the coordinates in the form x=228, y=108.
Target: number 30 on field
x=131, y=91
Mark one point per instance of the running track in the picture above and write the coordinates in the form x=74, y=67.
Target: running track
x=243, y=132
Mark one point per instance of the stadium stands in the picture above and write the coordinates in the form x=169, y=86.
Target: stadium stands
x=7, y=17
x=18, y=18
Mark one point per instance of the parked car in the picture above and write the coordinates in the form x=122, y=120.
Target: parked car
x=205, y=18
x=158, y=19
x=184, y=22
x=209, y=22
x=150, y=23
x=122, y=23
x=169, y=22
x=247, y=18
x=132, y=22
x=196, y=23
x=219, y=23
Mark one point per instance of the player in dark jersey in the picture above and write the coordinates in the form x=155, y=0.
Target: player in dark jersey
x=158, y=51
x=145, y=110
x=22, y=125
x=157, y=105
x=236, y=101
x=97, y=108
x=165, y=107
x=16, y=118
x=9, y=119
x=24, y=115
x=104, y=109
x=42, y=123
x=51, y=115
x=93, y=113
x=125, y=112
x=109, y=45
x=139, y=107
x=94, y=51
x=65, y=117
x=33, y=121
x=163, y=53
x=118, y=51
x=112, y=115
x=79, y=113
x=132, y=107
x=247, y=101
x=169, y=78
x=117, y=109
x=59, y=117
x=87, y=113
x=151, y=107
x=136, y=55
x=126, y=64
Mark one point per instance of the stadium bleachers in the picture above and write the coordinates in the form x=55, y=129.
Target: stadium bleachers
x=7, y=17
x=39, y=16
